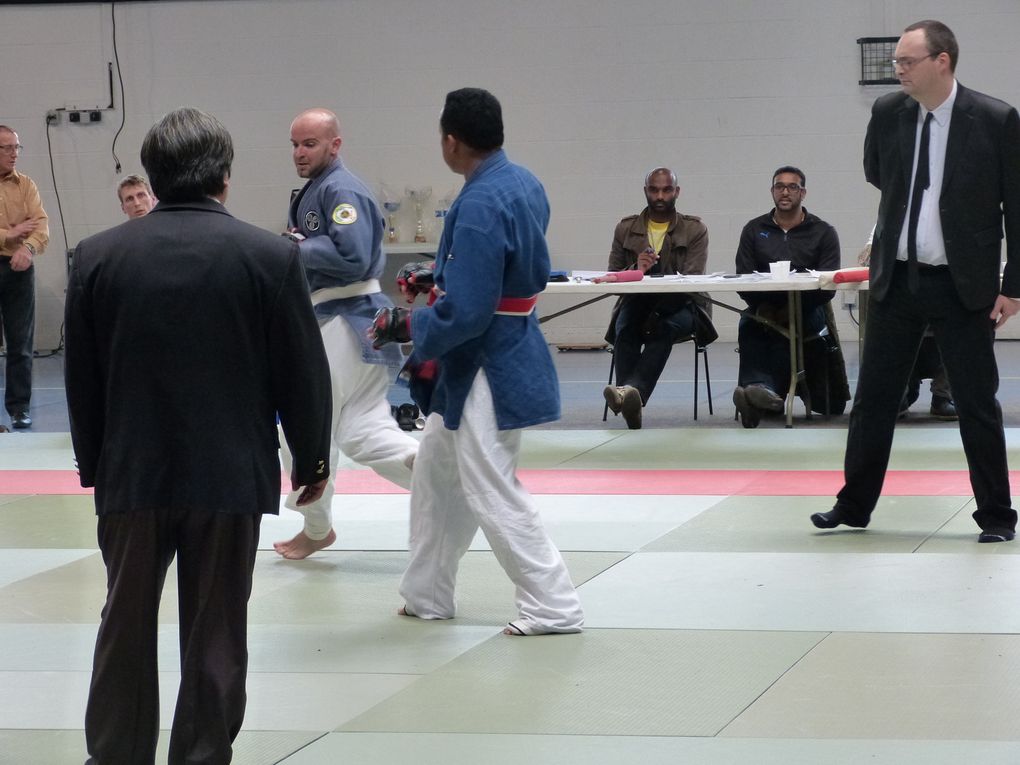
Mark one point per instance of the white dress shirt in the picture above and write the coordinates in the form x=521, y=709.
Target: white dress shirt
x=931, y=247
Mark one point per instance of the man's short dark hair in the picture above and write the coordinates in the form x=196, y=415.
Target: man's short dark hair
x=187, y=155
x=939, y=38
x=791, y=169
x=474, y=117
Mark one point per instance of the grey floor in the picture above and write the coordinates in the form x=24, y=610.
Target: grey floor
x=584, y=373
x=721, y=627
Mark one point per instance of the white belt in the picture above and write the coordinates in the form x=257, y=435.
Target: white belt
x=367, y=287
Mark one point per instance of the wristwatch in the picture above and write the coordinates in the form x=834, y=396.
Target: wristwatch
x=31, y=249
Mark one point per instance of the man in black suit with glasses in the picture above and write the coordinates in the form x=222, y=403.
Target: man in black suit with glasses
x=947, y=161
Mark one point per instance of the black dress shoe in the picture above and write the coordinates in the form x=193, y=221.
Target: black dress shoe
x=943, y=408
x=904, y=408
x=21, y=420
x=835, y=517
x=1001, y=535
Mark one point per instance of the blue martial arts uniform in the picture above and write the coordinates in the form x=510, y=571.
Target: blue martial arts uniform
x=344, y=227
x=493, y=246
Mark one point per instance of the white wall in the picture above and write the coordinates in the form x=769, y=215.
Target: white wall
x=594, y=93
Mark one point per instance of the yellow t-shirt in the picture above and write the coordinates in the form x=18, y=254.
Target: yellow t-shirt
x=656, y=234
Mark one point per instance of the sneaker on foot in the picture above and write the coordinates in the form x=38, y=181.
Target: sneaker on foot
x=631, y=406
x=614, y=397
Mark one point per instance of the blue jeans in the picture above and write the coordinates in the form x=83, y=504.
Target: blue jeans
x=17, y=307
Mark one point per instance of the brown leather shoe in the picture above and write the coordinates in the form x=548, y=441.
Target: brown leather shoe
x=764, y=398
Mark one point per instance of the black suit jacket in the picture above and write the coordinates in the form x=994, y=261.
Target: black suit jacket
x=187, y=331
x=980, y=191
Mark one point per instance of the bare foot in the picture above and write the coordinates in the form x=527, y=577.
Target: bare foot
x=516, y=631
x=300, y=547
x=402, y=611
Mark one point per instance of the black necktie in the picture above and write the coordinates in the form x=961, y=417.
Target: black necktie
x=921, y=182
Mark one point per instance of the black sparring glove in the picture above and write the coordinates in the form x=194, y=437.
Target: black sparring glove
x=390, y=325
x=415, y=279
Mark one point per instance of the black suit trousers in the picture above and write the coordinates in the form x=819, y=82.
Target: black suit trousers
x=215, y=558
x=965, y=338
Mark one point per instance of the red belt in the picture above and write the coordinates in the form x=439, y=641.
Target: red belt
x=516, y=306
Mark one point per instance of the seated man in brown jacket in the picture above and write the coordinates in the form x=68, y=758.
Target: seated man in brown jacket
x=644, y=327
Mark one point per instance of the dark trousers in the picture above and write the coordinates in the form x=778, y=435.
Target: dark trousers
x=215, y=558
x=965, y=339
x=765, y=354
x=647, y=327
x=17, y=307
x=928, y=366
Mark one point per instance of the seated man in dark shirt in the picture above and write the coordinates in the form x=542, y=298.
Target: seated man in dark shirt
x=787, y=232
x=658, y=240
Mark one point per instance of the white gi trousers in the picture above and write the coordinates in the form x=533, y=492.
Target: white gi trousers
x=363, y=426
x=464, y=479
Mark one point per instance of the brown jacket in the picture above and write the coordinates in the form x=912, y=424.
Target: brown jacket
x=684, y=251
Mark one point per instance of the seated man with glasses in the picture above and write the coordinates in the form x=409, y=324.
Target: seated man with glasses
x=24, y=234
x=788, y=232
x=644, y=327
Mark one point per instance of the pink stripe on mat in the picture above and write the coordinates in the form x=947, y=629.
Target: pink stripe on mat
x=809, y=483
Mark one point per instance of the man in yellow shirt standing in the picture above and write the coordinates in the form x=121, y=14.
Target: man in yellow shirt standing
x=24, y=234
x=644, y=327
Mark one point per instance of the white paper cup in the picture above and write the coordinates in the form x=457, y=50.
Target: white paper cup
x=780, y=269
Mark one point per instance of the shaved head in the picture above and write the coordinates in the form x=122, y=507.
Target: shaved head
x=315, y=138
x=321, y=118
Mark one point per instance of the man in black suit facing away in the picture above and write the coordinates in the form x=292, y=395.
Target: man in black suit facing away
x=947, y=160
x=184, y=328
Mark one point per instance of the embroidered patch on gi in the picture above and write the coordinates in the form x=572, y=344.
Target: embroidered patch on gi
x=312, y=220
x=344, y=214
